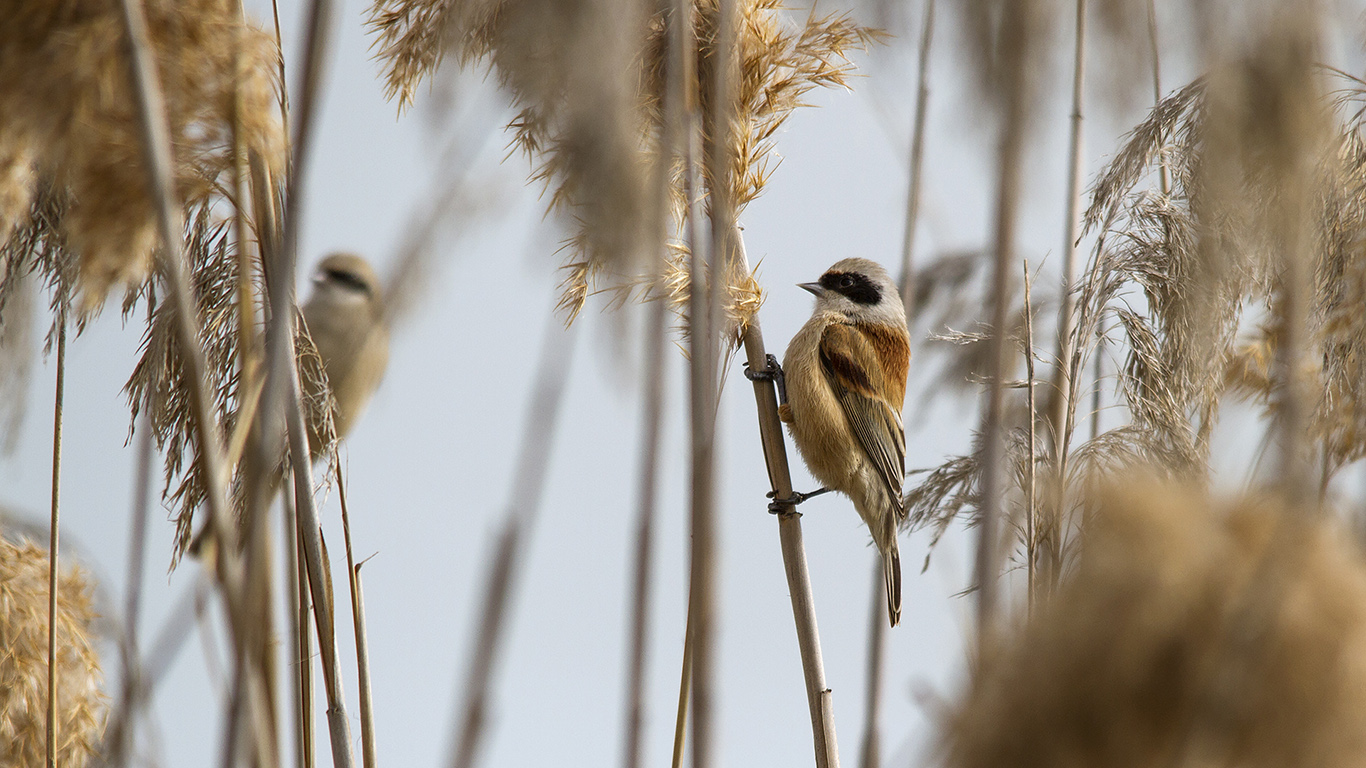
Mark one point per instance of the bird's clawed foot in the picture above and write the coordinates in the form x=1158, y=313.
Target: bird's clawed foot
x=772, y=372
x=789, y=504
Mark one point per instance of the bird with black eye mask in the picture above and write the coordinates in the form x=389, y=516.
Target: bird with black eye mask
x=843, y=384
x=345, y=319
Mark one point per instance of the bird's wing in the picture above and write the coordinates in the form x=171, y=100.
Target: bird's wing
x=856, y=373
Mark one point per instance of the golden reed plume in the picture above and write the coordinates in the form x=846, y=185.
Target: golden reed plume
x=71, y=121
x=1190, y=633
x=23, y=662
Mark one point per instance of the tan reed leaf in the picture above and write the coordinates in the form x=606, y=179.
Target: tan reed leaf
x=82, y=707
x=70, y=119
x=1189, y=633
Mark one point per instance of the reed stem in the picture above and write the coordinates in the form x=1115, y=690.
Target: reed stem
x=301, y=644
x=1164, y=175
x=819, y=697
x=533, y=465
x=120, y=742
x=367, y=710
x=1031, y=503
x=652, y=416
x=1061, y=385
x=922, y=99
x=324, y=609
x=645, y=531
x=706, y=305
x=52, y=563
x=156, y=145
x=684, y=686
x=871, y=754
x=1012, y=54
x=684, y=81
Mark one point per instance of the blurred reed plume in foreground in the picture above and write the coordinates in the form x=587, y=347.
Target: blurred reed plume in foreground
x=23, y=661
x=72, y=177
x=1226, y=262
x=75, y=211
x=1190, y=633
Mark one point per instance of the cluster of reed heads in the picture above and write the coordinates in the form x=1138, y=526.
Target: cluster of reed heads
x=146, y=146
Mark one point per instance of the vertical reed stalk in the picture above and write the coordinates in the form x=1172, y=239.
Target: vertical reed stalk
x=1061, y=385
x=52, y=563
x=818, y=696
x=1164, y=175
x=645, y=534
x=1301, y=145
x=281, y=396
x=324, y=609
x=870, y=756
x=246, y=341
x=300, y=636
x=683, y=80
x=922, y=98
x=684, y=684
x=701, y=584
x=367, y=710
x=1031, y=506
x=652, y=417
x=706, y=302
x=533, y=465
x=156, y=145
x=363, y=647
x=120, y=744
x=1011, y=82
x=871, y=753
x=1098, y=373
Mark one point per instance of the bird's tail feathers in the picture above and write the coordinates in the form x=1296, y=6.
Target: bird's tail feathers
x=891, y=577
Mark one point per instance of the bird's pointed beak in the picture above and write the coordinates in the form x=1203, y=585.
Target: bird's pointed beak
x=815, y=288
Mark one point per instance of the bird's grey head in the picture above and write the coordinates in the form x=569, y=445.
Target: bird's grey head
x=860, y=289
x=346, y=278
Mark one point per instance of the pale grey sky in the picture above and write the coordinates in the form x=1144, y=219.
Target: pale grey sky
x=430, y=463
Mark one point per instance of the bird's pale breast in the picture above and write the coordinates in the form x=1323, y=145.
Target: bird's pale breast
x=819, y=426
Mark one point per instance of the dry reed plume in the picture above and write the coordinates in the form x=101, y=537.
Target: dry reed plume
x=23, y=662
x=1232, y=186
x=610, y=147
x=71, y=126
x=75, y=208
x=779, y=62
x=1190, y=633
x=571, y=69
x=160, y=372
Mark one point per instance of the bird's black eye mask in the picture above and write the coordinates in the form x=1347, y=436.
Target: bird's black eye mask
x=349, y=279
x=857, y=287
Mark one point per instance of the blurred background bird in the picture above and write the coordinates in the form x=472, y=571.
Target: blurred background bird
x=345, y=319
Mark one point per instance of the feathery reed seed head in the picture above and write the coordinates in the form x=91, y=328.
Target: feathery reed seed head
x=590, y=81
x=81, y=707
x=71, y=119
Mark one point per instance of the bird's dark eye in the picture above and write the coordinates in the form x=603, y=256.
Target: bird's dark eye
x=847, y=282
